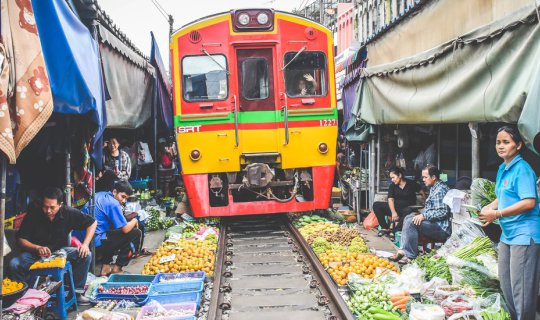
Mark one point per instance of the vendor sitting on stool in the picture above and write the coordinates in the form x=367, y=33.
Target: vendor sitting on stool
x=114, y=234
x=433, y=222
x=45, y=230
x=401, y=195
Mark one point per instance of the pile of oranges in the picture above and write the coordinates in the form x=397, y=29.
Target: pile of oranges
x=189, y=256
x=340, y=264
x=9, y=286
x=57, y=262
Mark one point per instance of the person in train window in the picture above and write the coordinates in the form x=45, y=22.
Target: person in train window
x=307, y=85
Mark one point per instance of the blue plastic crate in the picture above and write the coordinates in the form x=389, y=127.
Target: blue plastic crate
x=131, y=278
x=193, y=296
x=130, y=297
x=169, y=277
x=175, y=287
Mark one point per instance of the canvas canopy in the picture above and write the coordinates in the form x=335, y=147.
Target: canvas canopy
x=487, y=75
x=129, y=78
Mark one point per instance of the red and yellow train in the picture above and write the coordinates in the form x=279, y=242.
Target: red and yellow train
x=255, y=112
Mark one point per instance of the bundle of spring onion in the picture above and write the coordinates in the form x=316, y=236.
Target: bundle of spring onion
x=474, y=275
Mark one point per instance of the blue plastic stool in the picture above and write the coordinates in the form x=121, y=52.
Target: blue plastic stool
x=64, y=299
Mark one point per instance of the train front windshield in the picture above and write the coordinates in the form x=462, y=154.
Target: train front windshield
x=306, y=74
x=204, y=78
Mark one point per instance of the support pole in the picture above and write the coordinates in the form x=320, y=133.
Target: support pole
x=2, y=217
x=156, y=162
x=372, y=164
x=475, y=150
x=92, y=212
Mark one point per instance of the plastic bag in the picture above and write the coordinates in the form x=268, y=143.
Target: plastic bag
x=467, y=315
x=370, y=221
x=57, y=259
x=473, y=276
x=443, y=292
x=462, y=234
x=457, y=303
x=430, y=288
x=426, y=312
x=7, y=249
x=412, y=278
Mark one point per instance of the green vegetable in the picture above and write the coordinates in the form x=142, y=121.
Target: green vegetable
x=480, y=245
x=482, y=192
x=434, y=267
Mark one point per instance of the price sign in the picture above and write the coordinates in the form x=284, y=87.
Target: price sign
x=167, y=258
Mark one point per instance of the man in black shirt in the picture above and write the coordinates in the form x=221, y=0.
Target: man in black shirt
x=45, y=230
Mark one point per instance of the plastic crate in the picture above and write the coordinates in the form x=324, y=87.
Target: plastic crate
x=139, y=278
x=191, y=306
x=193, y=296
x=175, y=287
x=130, y=297
x=140, y=184
x=169, y=277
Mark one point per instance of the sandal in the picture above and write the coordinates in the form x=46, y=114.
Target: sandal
x=404, y=260
x=143, y=253
x=397, y=257
x=392, y=236
x=382, y=232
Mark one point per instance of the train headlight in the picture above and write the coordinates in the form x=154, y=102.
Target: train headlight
x=195, y=155
x=262, y=18
x=243, y=19
x=323, y=148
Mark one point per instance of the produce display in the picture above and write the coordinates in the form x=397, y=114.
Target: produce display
x=307, y=219
x=57, y=262
x=10, y=286
x=139, y=289
x=318, y=228
x=340, y=264
x=373, y=302
x=183, y=256
x=343, y=235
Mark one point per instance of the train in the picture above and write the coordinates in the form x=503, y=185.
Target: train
x=255, y=115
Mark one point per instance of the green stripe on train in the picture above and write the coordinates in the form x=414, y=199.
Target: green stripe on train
x=255, y=117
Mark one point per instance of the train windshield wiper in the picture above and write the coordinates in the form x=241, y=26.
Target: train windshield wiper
x=215, y=61
x=295, y=56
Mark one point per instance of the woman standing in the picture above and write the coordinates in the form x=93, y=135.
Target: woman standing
x=517, y=209
x=116, y=166
x=401, y=195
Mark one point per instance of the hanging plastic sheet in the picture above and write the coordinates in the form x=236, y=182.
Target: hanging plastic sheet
x=73, y=63
x=162, y=88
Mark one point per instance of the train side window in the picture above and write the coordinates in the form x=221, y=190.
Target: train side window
x=255, y=79
x=204, y=78
x=305, y=74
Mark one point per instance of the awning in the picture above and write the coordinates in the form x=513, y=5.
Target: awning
x=73, y=64
x=162, y=88
x=483, y=76
x=129, y=79
x=529, y=121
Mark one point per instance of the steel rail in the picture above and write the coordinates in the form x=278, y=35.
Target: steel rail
x=337, y=304
x=215, y=299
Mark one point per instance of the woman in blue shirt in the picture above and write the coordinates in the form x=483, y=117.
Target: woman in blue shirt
x=518, y=212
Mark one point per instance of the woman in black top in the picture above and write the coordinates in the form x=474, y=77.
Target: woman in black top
x=401, y=195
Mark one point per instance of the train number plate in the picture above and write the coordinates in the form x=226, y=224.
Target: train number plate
x=328, y=122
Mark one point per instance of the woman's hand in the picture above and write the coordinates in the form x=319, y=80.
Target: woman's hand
x=395, y=216
x=487, y=215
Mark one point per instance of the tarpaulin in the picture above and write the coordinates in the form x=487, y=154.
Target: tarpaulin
x=162, y=88
x=129, y=79
x=25, y=94
x=483, y=76
x=72, y=59
x=529, y=121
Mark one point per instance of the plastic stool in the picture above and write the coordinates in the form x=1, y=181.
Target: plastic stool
x=64, y=300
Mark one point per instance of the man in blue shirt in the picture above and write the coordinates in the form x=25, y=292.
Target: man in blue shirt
x=114, y=234
x=433, y=222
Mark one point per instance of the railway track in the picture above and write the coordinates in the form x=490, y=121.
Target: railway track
x=265, y=271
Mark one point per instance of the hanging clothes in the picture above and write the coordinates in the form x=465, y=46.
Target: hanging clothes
x=25, y=94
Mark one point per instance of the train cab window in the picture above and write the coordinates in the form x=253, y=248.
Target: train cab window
x=204, y=78
x=305, y=74
x=255, y=79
